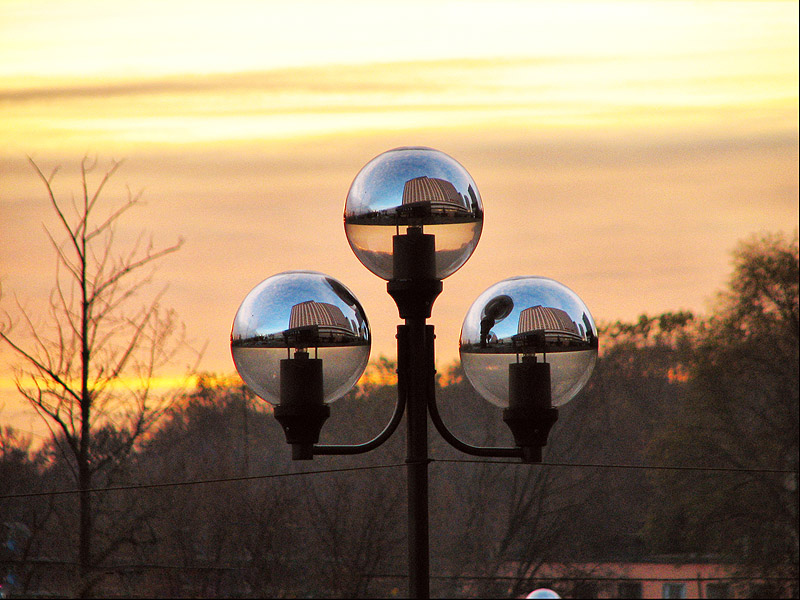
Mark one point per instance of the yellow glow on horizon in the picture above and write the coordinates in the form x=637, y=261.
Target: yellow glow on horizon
x=137, y=384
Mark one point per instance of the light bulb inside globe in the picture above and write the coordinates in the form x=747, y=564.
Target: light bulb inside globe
x=527, y=321
x=413, y=191
x=299, y=317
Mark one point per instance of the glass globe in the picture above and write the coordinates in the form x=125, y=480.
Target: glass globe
x=412, y=190
x=300, y=312
x=533, y=316
x=543, y=593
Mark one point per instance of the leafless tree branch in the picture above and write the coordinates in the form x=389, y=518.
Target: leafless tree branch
x=76, y=366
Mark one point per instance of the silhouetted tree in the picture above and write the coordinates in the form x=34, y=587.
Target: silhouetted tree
x=75, y=368
x=328, y=534
x=220, y=539
x=670, y=389
x=741, y=411
x=22, y=520
x=502, y=520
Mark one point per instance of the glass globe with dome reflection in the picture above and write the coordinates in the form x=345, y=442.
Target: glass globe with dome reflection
x=528, y=318
x=408, y=191
x=297, y=315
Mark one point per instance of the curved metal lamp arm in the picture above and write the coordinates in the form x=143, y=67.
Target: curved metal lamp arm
x=338, y=449
x=496, y=452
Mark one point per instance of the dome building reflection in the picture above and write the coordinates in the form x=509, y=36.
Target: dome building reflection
x=286, y=316
x=324, y=314
x=311, y=324
x=319, y=323
x=539, y=329
x=434, y=199
x=546, y=329
x=528, y=319
x=546, y=318
x=408, y=191
x=429, y=195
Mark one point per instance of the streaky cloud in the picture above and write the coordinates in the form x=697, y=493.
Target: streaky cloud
x=381, y=77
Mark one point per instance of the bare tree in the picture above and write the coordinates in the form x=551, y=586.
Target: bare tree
x=88, y=368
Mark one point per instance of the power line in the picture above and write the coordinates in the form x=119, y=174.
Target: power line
x=56, y=562
x=145, y=486
x=624, y=466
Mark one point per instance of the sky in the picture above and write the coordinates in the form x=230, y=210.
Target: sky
x=621, y=147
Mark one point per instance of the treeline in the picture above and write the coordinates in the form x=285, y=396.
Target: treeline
x=210, y=504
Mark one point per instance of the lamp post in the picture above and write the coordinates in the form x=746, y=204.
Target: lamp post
x=413, y=216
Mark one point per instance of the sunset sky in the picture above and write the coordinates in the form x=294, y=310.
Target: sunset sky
x=622, y=147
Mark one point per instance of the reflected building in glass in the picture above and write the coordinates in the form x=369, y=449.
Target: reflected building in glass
x=528, y=316
x=319, y=323
x=300, y=311
x=311, y=323
x=545, y=328
x=548, y=319
x=433, y=196
x=539, y=329
x=318, y=313
x=434, y=199
x=413, y=190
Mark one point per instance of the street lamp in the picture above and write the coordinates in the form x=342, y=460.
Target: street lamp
x=300, y=340
x=413, y=216
x=528, y=345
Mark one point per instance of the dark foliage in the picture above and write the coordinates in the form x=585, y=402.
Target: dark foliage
x=670, y=389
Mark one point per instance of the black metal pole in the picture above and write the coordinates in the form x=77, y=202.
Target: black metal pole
x=413, y=368
x=414, y=288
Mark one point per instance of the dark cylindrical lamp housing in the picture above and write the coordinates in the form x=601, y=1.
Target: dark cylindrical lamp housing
x=530, y=414
x=302, y=411
x=414, y=286
x=414, y=255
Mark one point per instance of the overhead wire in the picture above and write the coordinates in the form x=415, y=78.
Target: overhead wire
x=145, y=486
x=628, y=466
